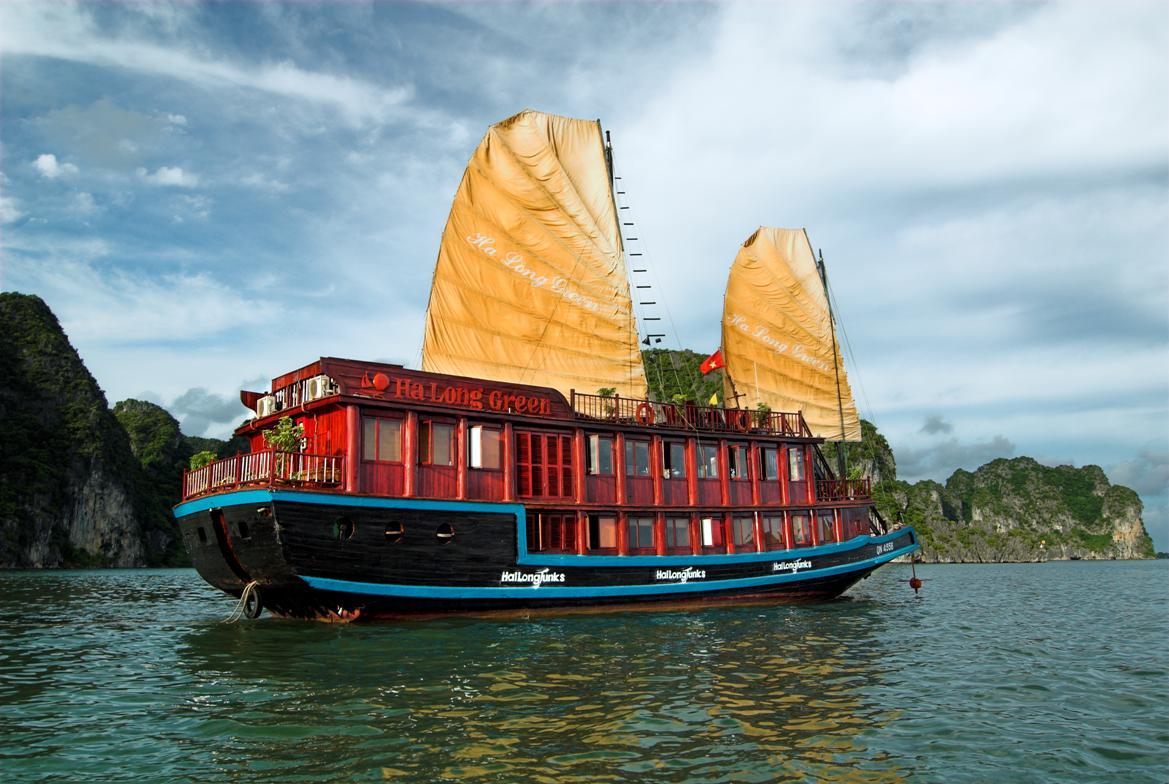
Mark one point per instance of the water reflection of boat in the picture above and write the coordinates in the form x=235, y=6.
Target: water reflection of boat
x=464, y=486
x=792, y=694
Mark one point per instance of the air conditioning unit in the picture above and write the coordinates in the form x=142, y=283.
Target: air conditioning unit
x=266, y=406
x=318, y=387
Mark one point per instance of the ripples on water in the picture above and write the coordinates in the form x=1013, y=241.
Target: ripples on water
x=1046, y=673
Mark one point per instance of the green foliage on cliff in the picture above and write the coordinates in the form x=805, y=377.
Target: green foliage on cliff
x=1009, y=509
x=80, y=485
x=164, y=453
x=670, y=373
x=872, y=457
x=65, y=460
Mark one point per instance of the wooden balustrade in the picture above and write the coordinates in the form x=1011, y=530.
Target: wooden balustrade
x=843, y=489
x=688, y=416
x=267, y=468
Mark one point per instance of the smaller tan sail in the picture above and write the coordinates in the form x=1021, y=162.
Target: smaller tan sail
x=777, y=335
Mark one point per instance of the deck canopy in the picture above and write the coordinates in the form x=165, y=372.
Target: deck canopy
x=530, y=285
x=778, y=340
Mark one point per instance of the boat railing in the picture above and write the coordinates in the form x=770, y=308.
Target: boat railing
x=843, y=489
x=267, y=467
x=687, y=416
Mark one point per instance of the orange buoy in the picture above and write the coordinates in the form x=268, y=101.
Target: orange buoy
x=915, y=582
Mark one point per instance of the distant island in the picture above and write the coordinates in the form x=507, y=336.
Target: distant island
x=84, y=485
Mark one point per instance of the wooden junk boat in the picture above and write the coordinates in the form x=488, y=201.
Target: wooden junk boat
x=525, y=466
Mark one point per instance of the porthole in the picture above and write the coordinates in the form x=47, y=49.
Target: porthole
x=394, y=532
x=244, y=532
x=445, y=533
x=202, y=535
x=344, y=529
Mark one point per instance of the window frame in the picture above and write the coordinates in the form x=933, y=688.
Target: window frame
x=670, y=528
x=806, y=517
x=705, y=467
x=596, y=519
x=717, y=524
x=377, y=423
x=742, y=471
x=795, y=464
x=669, y=469
x=765, y=523
x=741, y=523
x=593, y=463
x=553, y=527
x=426, y=442
x=631, y=445
x=637, y=522
x=769, y=471
x=826, y=518
x=498, y=431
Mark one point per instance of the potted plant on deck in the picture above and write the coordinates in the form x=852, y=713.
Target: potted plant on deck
x=286, y=441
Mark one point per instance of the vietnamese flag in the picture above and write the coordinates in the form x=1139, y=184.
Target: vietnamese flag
x=713, y=362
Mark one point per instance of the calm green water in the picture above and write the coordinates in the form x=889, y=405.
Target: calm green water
x=1015, y=673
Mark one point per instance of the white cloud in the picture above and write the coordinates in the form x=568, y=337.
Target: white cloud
x=100, y=305
x=84, y=204
x=50, y=168
x=190, y=207
x=173, y=176
x=68, y=32
x=9, y=210
x=262, y=182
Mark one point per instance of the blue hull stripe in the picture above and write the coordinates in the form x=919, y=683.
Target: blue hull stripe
x=245, y=497
x=552, y=593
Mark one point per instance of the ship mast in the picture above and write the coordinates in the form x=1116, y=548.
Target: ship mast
x=841, y=462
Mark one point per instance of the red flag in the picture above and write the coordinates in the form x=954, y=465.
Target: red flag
x=713, y=362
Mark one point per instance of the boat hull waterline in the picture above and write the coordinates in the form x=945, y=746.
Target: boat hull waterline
x=333, y=557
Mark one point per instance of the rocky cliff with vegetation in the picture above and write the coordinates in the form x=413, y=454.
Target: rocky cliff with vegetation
x=1007, y=510
x=80, y=485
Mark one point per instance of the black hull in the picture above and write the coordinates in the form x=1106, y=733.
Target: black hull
x=334, y=557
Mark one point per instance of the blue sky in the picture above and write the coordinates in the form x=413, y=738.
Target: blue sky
x=209, y=195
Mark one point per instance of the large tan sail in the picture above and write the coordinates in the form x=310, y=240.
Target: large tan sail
x=530, y=285
x=777, y=336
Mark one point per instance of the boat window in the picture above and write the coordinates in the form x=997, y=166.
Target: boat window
x=795, y=463
x=602, y=532
x=712, y=532
x=551, y=532
x=639, y=533
x=600, y=455
x=737, y=462
x=435, y=443
x=636, y=457
x=344, y=529
x=674, y=460
x=801, y=530
x=483, y=447
x=827, y=527
x=773, y=532
x=743, y=532
x=769, y=463
x=678, y=533
x=543, y=464
x=707, y=461
x=381, y=439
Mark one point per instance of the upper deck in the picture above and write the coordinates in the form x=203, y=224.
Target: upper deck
x=384, y=430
